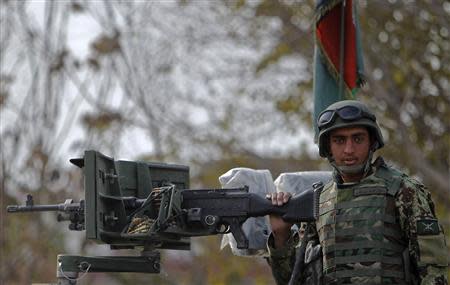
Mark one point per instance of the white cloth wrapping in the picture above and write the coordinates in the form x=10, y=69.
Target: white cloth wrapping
x=257, y=230
x=296, y=182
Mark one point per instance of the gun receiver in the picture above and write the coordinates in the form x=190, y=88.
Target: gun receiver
x=225, y=210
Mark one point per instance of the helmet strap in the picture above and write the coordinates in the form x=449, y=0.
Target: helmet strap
x=363, y=168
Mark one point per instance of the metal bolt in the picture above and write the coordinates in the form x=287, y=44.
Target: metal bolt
x=210, y=220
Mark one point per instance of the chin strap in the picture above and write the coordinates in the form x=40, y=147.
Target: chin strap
x=363, y=168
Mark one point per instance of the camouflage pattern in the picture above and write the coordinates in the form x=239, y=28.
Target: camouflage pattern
x=282, y=260
x=360, y=236
x=427, y=249
x=415, y=227
x=300, y=261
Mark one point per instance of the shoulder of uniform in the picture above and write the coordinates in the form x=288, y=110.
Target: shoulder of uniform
x=406, y=187
x=383, y=170
x=327, y=186
x=411, y=187
x=415, y=196
x=411, y=182
x=394, y=178
x=406, y=181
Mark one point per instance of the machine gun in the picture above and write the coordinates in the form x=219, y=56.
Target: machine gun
x=149, y=206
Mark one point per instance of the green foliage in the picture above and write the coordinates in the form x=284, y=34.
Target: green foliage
x=101, y=121
x=281, y=50
x=5, y=83
x=26, y=253
x=105, y=44
x=289, y=105
x=77, y=7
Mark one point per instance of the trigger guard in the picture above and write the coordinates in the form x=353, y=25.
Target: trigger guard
x=223, y=229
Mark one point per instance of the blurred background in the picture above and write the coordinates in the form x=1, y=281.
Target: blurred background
x=209, y=84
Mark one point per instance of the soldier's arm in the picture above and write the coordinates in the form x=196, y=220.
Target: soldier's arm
x=427, y=248
x=281, y=243
x=282, y=258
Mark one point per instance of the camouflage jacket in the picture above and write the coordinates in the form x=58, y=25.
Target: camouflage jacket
x=415, y=214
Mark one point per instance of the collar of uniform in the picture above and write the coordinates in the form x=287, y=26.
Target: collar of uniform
x=378, y=162
x=341, y=184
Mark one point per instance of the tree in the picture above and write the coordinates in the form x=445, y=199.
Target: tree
x=162, y=96
x=212, y=85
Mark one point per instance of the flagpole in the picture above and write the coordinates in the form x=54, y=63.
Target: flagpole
x=342, y=52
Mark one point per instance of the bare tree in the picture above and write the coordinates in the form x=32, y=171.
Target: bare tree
x=180, y=75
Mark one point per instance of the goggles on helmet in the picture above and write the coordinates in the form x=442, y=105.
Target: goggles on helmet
x=347, y=113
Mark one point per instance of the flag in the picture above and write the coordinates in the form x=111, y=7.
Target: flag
x=338, y=64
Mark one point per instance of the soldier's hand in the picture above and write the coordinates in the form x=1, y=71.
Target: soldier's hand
x=279, y=198
x=281, y=230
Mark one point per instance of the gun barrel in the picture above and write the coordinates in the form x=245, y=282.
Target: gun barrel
x=63, y=207
x=37, y=208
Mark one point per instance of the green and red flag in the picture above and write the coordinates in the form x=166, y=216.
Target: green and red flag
x=338, y=64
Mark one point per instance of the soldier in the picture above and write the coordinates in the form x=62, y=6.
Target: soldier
x=376, y=225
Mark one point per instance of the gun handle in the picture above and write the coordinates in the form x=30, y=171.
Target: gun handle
x=238, y=233
x=300, y=208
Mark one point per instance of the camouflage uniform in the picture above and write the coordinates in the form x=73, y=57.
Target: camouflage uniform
x=380, y=230
x=413, y=244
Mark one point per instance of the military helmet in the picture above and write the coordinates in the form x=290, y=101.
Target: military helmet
x=347, y=113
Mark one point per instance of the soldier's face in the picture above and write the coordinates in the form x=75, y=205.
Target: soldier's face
x=349, y=146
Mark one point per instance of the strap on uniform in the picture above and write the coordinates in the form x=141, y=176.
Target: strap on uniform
x=330, y=247
x=390, y=232
x=393, y=179
x=367, y=258
x=353, y=204
x=370, y=218
x=366, y=272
